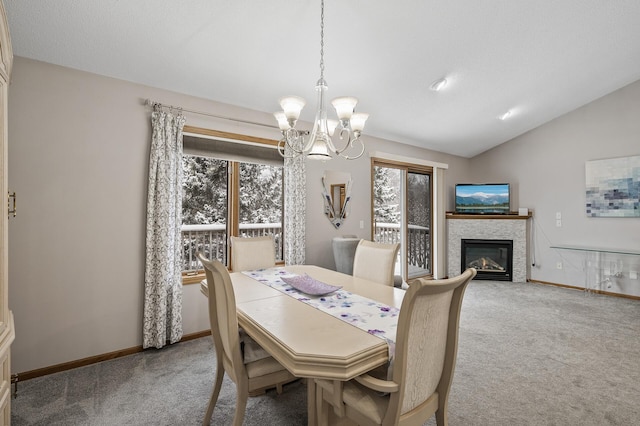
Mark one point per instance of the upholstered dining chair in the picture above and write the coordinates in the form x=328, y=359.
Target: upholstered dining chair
x=251, y=376
x=249, y=253
x=375, y=261
x=344, y=250
x=423, y=365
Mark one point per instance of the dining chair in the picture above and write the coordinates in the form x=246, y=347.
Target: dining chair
x=344, y=250
x=249, y=253
x=422, y=367
x=250, y=376
x=375, y=261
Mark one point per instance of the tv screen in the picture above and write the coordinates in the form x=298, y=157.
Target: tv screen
x=486, y=198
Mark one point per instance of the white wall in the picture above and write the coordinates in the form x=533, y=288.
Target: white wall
x=546, y=168
x=78, y=159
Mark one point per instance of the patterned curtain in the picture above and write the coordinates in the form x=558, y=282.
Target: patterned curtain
x=295, y=207
x=163, y=276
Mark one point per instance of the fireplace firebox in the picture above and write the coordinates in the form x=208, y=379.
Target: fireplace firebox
x=493, y=259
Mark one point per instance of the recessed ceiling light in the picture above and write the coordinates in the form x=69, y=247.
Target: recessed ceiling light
x=438, y=85
x=505, y=115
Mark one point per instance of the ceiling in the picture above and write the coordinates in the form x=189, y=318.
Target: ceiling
x=538, y=59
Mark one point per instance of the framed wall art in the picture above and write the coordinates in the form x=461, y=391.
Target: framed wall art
x=613, y=187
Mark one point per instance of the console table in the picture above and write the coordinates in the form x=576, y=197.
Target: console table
x=599, y=269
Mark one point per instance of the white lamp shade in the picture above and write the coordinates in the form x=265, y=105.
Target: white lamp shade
x=344, y=106
x=319, y=150
x=357, y=121
x=282, y=120
x=331, y=126
x=292, y=105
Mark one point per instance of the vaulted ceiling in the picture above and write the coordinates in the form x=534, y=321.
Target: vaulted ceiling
x=537, y=59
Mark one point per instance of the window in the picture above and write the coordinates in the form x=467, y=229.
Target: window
x=229, y=188
x=403, y=213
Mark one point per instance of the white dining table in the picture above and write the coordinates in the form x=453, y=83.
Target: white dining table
x=307, y=341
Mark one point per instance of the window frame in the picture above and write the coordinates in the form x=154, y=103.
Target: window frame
x=233, y=212
x=406, y=168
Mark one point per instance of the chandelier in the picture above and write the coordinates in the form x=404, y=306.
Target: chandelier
x=319, y=144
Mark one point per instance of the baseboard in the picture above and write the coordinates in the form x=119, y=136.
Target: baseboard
x=606, y=293
x=15, y=378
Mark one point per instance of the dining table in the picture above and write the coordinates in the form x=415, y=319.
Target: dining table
x=308, y=341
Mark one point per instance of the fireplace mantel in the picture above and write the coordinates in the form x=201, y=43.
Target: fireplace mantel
x=502, y=227
x=510, y=216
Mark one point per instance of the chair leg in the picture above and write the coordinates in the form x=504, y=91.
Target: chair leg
x=442, y=418
x=241, y=406
x=214, y=394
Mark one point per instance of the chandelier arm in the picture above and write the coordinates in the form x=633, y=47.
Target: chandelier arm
x=347, y=157
x=282, y=145
x=288, y=136
x=281, y=150
x=347, y=144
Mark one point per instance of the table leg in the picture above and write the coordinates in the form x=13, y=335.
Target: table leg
x=312, y=415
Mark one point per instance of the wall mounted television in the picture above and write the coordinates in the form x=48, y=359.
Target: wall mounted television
x=485, y=198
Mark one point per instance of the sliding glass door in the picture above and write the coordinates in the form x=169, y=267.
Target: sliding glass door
x=403, y=213
x=418, y=200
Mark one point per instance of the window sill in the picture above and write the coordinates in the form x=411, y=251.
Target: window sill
x=192, y=278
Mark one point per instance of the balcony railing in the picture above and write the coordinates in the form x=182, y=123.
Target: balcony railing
x=418, y=244
x=212, y=241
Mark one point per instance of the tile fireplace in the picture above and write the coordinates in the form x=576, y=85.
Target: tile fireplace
x=493, y=259
x=511, y=228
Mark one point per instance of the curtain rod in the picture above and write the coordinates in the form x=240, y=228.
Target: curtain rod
x=152, y=104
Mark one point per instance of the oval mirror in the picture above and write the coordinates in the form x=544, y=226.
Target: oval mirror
x=336, y=193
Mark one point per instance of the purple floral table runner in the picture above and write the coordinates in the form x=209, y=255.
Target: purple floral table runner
x=366, y=314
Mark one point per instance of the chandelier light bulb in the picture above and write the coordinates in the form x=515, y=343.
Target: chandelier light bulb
x=319, y=150
x=283, y=124
x=292, y=106
x=357, y=121
x=344, y=106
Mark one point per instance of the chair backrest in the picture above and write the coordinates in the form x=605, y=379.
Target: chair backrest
x=344, y=250
x=249, y=253
x=427, y=342
x=375, y=261
x=223, y=317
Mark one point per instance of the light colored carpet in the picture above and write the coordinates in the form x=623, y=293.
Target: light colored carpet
x=528, y=355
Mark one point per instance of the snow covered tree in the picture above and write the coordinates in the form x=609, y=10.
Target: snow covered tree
x=204, y=197
x=385, y=195
x=260, y=193
x=419, y=199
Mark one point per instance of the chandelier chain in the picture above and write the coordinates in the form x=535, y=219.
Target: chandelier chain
x=319, y=144
x=322, y=39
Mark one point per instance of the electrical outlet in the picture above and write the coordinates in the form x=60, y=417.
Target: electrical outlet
x=558, y=265
x=558, y=215
x=558, y=223
x=633, y=275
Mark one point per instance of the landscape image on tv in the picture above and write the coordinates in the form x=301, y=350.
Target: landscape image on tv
x=482, y=199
